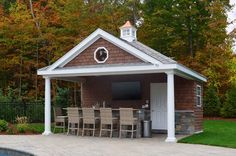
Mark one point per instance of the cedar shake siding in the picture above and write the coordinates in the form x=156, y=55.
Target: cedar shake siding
x=184, y=94
x=116, y=55
x=98, y=89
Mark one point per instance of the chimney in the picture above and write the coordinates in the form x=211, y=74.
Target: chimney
x=128, y=32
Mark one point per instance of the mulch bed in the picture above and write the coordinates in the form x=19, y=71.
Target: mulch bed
x=15, y=132
x=220, y=118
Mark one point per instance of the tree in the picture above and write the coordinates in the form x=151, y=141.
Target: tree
x=194, y=34
x=211, y=102
x=61, y=99
x=229, y=108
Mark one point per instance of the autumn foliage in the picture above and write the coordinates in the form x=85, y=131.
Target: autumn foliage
x=35, y=33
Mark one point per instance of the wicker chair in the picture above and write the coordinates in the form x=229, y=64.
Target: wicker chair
x=107, y=120
x=74, y=119
x=59, y=119
x=127, y=119
x=88, y=120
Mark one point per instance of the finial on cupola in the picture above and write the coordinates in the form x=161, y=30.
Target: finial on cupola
x=128, y=32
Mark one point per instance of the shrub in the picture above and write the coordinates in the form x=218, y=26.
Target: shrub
x=22, y=124
x=11, y=129
x=62, y=97
x=3, y=125
x=22, y=128
x=211, y=102
x=36, y=128
x=229, y=107
x=21, y=120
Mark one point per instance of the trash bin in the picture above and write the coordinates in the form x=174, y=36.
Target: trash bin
x=147, y=128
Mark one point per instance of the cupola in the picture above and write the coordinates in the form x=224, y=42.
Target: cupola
x=128, y=32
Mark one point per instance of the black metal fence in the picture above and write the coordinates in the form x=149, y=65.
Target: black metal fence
x=34, y=111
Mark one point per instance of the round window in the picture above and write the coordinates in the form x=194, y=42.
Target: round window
x=101, y=55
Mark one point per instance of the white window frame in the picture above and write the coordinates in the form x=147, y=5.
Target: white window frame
x=199, y=96
x=95, y=52
x=126, y=32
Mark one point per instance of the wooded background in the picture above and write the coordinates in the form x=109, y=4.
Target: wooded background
x=35, y=33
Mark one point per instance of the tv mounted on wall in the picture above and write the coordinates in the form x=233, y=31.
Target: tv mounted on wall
x=126, y=90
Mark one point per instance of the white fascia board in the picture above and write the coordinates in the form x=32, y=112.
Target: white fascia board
x=190, y=72
x=180, y=70
x=103, y=71
x=184, y=71
x=91, y=39
x=78, y=51
x=73, y=51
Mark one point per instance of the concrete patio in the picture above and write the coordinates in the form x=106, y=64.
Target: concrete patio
x=62, y=145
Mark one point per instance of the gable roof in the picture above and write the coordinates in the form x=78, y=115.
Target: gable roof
x=151, y=52
x=153, y=59
x=99, y=33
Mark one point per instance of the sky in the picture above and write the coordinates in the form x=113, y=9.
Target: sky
x=232, y=17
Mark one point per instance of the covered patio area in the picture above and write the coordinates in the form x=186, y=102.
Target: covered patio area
x=161, y=95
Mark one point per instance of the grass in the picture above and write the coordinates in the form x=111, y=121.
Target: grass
x=36, y=127
x=216, y=133
x=39, y=128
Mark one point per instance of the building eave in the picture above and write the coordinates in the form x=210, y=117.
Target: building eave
x=124, y=70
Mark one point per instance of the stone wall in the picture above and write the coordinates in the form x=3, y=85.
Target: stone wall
x=184, y=122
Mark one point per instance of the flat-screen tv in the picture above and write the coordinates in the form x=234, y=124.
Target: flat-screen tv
x=126, y=90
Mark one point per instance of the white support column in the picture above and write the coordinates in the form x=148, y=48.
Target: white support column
x=170, y=108
x=47, y=108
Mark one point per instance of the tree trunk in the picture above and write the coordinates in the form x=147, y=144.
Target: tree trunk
x=190, y=38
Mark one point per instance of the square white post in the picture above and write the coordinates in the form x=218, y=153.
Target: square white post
x=47, y=107
x=170, y=108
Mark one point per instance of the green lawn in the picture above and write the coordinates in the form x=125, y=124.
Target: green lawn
x=216, y=132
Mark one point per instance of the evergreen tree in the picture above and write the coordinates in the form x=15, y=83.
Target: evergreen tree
x=211, y=102
x=229, y=108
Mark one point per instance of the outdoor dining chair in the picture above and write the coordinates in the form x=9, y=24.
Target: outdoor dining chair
x=74, y=119
x=127, y=119
x=59, y=119
x=89, y=120
x=107, y=121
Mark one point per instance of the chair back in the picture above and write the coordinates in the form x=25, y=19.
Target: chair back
x=106, y=115
x=88, y=115
x=73, y=114
x=126, y=116
x=57, y=112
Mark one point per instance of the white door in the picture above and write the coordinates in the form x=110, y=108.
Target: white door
x=159, y=105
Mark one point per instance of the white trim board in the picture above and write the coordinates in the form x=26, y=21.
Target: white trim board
x=120, y=70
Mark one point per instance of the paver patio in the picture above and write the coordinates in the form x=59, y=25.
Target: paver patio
x=62, y=145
